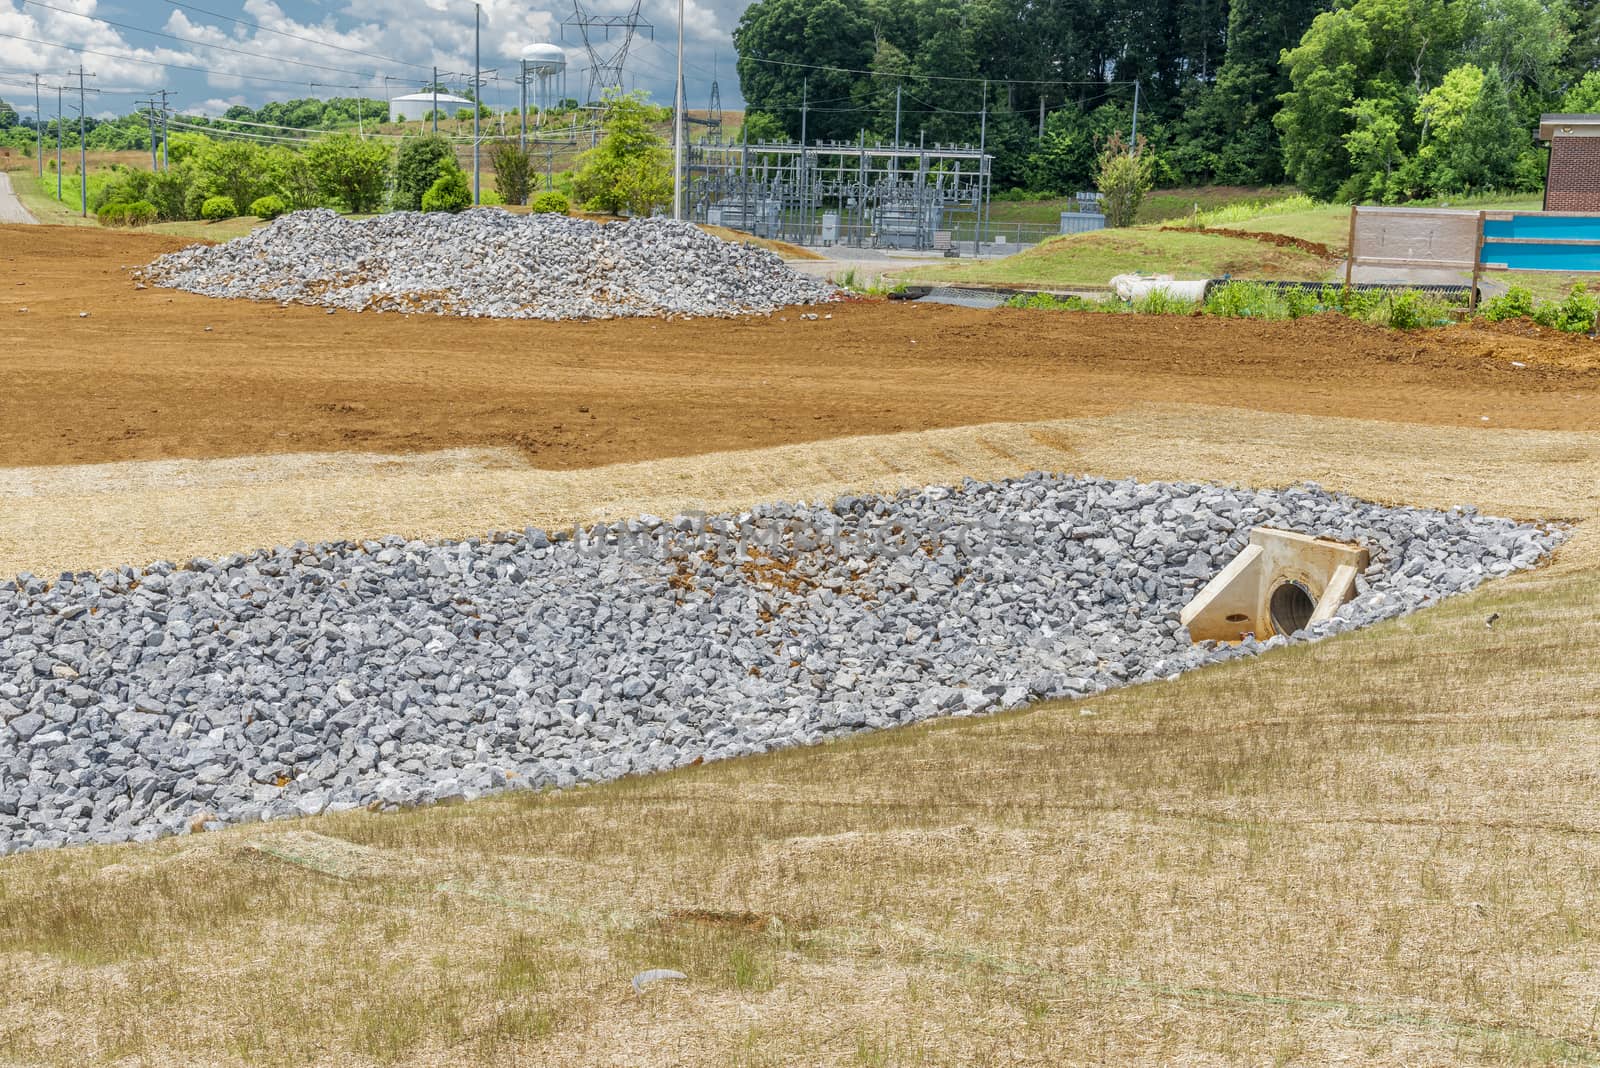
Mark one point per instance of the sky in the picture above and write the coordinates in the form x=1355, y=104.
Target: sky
x=209, y=62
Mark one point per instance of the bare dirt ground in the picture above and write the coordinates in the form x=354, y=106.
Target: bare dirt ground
x=142, y=378
x=1378, y=849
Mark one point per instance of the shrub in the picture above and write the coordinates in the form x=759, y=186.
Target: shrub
x=1125, y=174
x=268, y=207
x=216, y=209
x=1050, y=302
x=1413, y=311
x=1161, y=302
x=231, y=169
x=550, y=202
x=1575, y=314
x=1405, y=311
x=1515, y=303
x=490, y=199
x=112, y=215
x=141, y=213
x=350, y=171
x=628, y=170
x=420, y=162
x=1245, y=300
x=513, y=172
x=1300, y=303
x=1356, y=303
x=168, y=191
x=448, y=193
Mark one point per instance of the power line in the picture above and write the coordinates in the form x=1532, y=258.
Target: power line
x=148, y=62
x=932, y=77
x=200, y=44
x=293, y=36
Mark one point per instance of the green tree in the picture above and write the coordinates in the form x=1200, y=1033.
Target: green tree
x=449, y=192
x=781, y=41
x=1126, y=173
x=289, y=175
x=628, y=170
x=419, y=163
x=513, y=171
x=760, y=126
x=1373, y=145
x=231, y=169
x=1470, y=138
x=1584, y=97
x=350, y=171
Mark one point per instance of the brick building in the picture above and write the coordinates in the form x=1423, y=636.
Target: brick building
x=1572, y=177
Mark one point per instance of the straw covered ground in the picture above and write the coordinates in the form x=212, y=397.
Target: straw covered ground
x=1377, y=849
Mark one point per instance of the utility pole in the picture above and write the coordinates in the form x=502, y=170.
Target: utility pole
x=435, y=101
x=983, y=169
x=38, y=126
x=894, y=161
x=83, y=147
x=1041, y=113
x=522, y=137
x=1135, y=146
x=150, y=120
x=59, y=88
x=679, y=128
x=805, y=201
x=477, y=105
x=163, y=129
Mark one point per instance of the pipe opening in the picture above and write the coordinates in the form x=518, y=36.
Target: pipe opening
x=1290, y=608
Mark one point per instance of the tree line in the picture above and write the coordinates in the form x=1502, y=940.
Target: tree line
x=627, y=171
x=1365, y=99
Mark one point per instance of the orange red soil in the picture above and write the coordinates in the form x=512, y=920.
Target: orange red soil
x=142, y=377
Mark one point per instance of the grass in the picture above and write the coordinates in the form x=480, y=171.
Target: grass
x=39, y=197
x=1377, y=849
x=1091, y=259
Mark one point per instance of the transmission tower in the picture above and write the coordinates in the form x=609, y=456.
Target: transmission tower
x=606, y=56
x=714, y=112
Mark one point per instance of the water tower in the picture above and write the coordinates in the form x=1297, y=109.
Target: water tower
x=548, y=63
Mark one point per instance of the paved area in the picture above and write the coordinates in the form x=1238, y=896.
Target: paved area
x=11, y=209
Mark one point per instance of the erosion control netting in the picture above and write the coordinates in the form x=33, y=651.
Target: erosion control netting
x=141, y=702
x=491, y=263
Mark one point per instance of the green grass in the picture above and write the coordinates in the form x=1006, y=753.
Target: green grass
x=1160, y=205
x=1092, y=259
x=1329, y=224
x=39, y=197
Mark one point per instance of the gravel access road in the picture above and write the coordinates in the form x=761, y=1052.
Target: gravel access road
x=11, y=209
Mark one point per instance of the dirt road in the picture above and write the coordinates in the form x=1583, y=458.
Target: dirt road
x=11, y=209
x=155, y=374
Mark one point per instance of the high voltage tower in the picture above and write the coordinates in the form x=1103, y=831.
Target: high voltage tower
x=606, y=57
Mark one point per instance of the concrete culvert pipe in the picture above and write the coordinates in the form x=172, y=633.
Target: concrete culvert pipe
x=1291, y=608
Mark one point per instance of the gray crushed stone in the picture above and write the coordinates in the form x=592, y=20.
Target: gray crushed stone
x=490, y=263
x=141, y=702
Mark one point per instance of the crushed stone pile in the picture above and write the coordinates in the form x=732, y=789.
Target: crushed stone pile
x=142, y=702
x=492, y=264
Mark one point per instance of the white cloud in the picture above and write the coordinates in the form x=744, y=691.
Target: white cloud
x=403, y=39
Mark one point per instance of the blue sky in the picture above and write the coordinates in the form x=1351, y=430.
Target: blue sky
x=401, y=38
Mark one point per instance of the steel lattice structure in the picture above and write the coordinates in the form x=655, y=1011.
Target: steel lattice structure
x=606, y=56
x=840, y=192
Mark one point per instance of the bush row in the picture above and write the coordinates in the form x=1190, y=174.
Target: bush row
x=1403, y=310
x=212, y=180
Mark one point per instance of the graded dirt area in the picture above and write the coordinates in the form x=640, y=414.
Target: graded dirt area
x=1377, y=849
x=157, y=374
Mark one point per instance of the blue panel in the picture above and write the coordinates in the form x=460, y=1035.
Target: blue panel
x=1543, y=257
x=1564, y=227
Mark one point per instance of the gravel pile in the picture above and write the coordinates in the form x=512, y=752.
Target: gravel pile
x=384, y=673
x=490, y=263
